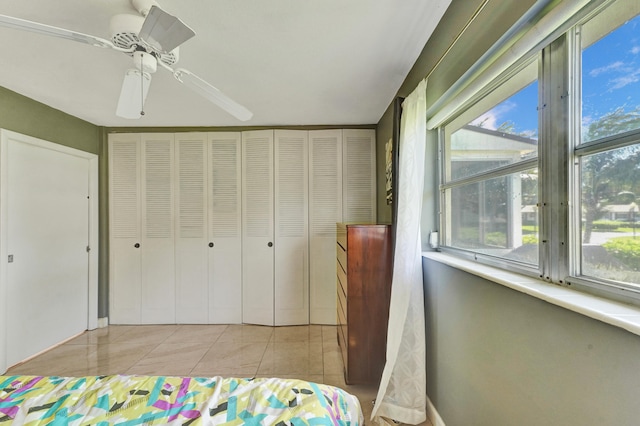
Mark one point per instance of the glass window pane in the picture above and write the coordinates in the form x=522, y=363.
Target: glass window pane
x=497, y=216
x=610, y=186
x=505, y=134
x=610, y=78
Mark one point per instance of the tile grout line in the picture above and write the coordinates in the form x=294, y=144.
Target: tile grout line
x=207, y=351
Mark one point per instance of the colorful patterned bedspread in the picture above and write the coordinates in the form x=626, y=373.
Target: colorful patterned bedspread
x=137, y=400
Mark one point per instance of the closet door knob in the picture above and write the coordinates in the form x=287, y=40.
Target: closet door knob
x=210, y=244
x=270, y=244
x=137, y=245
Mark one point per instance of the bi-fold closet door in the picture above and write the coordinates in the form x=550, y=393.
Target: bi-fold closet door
x=175, y=228
x=342, y=188
x=275, y=249
x=142, y=263
x=296, y=186
x=208, y=228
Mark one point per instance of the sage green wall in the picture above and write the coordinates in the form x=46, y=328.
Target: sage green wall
x=495, y=356
x=24, y=115
x=498, y=357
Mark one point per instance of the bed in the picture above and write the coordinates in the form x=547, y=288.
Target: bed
x=137, y=400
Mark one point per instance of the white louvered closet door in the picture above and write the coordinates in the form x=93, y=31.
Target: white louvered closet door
x=257, y=225
x=191, y=249
x=125, y=291
x=158, y=242
x=359, y=175
x=291, y=227
x=325, y=209
x=225, y=227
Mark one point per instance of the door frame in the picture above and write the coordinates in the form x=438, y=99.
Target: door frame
x=92, y=280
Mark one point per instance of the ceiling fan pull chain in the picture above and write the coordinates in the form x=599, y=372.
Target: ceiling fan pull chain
x=141, y=87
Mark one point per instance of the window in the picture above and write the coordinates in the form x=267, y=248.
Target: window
x=490, y=182
x=540, y=172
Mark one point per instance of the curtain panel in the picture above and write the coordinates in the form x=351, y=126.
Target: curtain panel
x=402, y=393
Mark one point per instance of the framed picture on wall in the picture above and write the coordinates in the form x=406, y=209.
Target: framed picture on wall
x=388, y=149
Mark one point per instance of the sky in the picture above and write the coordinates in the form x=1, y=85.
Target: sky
x=611, y=73
x=611, y=79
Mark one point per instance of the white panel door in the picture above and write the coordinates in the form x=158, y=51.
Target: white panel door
x=47, y=237
x=125, y=291
x=257, y=225
x=291, y=227
x=157, y=245
x=325, y=210
x=192, y=271
x=359, y=175
x=225, y=228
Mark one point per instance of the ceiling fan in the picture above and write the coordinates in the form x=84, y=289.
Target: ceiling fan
x=151, y=39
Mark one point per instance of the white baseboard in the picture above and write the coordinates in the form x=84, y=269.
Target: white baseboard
x=103, y=322
x=432, y=414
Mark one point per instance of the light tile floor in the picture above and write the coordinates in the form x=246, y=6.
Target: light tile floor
x=305, y=352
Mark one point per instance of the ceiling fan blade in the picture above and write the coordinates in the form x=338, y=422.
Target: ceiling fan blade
x=133, y=94
x=163, y=31
x=48, y=30
x=211, y=93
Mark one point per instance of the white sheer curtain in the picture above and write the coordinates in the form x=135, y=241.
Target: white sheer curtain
x=403, y=387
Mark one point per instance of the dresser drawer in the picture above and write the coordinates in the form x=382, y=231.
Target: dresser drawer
x=341, y=256
x=342, y=341
x=342, y=311
x=341, y=280
x=342, y=304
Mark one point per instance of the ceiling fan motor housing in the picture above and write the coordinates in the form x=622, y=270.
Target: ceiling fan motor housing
x=125, y=29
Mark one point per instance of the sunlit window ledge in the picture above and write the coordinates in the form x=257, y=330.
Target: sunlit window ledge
x=608, y=311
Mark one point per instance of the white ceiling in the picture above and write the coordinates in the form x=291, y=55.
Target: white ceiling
x=291, y=62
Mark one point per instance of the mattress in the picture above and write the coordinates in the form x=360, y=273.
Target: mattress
x=138, y=400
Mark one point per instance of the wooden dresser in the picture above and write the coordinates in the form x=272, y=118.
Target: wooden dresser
x=364, y=269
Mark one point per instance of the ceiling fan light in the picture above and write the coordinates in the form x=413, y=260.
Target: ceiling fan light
x=163, y=31
x=145, y=62
x=133, y=94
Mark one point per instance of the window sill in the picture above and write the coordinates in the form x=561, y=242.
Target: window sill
x=608, y=311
